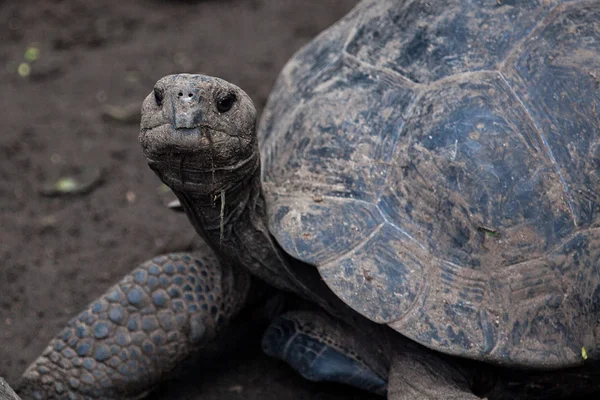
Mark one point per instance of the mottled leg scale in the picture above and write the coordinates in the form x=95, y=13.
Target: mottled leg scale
x=135, y=334
x=321, y=348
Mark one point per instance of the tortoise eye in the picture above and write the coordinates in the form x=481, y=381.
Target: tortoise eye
x=225, y=103
x=158, y=96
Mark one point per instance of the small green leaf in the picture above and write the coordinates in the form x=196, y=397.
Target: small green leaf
x=584, y=353
x=31, y=54
x=24, y=70
x=75, y=180
x=66, y=184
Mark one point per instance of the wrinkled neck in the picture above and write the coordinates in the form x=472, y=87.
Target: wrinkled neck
x=218, y=211
x=234, y=223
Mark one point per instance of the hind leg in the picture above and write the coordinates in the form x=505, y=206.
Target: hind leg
x=135, y=334
x=321, y=348
x=419, y=374
x=370, y=357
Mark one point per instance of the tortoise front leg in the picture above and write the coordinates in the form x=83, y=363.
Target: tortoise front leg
x=135, y=334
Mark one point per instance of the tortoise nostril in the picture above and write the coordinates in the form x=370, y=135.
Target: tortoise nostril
x=180, y=94
x=190, y=95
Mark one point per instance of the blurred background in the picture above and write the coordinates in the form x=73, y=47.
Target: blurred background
x=79, y=207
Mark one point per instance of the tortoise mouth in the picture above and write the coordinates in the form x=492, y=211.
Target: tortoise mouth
x=199, y=159
x=165, y=139
x=201, y=146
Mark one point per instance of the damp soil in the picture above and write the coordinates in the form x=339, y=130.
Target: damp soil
x=71, y=72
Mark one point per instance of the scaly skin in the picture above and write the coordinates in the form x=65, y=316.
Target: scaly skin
x=135, y=334
x=321, y=348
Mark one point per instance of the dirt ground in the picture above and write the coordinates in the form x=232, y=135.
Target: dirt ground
x=57, y=254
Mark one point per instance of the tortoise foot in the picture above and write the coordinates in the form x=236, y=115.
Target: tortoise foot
x=418, y=373
x=323, y=349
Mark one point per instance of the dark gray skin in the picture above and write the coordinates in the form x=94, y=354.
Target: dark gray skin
x=156, y=317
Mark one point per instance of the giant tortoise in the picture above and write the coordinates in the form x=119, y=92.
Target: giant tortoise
x=425, y=178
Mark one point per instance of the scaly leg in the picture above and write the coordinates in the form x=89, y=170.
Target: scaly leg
x=135, y=334
x=367, y=356
x=321, y=348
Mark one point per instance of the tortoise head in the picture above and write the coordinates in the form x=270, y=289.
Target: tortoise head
x=198, y=133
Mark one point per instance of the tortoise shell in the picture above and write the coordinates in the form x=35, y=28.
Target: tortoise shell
x=438, y=162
